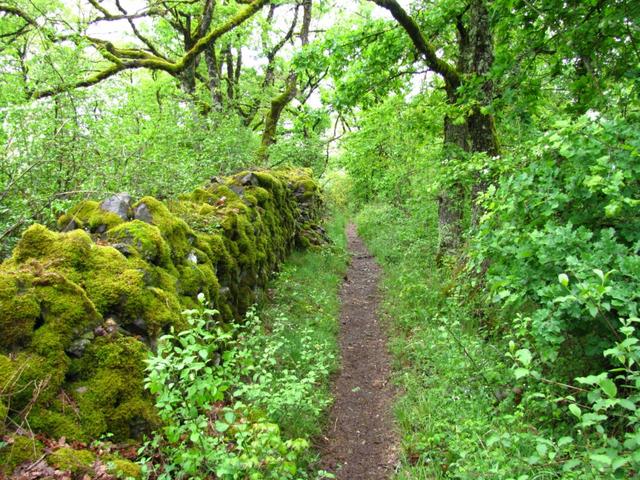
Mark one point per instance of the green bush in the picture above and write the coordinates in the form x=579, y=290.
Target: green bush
x=217, y=391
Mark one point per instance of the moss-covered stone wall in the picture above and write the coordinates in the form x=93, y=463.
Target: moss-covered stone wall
x=80, y=307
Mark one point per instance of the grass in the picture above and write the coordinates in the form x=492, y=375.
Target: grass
x=447, y=413
x=272, y=389
x=300, y=312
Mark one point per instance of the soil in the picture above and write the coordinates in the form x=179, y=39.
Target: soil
x=360, y=442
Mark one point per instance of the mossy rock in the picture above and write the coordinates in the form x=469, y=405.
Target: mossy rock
x=56, y=423
x=66, y=311
x=68, y=459
x=142, y=239
x=87, y=304
x=88, y=215
x=18, y=450
x=66, y=252
x=110, y=395
x=24, y=373
x=174, y=230
x=20, y=310
x=124, y=469
x=4, y=412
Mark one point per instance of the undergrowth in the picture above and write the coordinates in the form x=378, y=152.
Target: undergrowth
x=455, y=392
x=475, y=402
x=243, y=401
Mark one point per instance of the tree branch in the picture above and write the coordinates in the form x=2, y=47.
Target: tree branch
x=139, y=35
x=127, y=59
x=449, y=73
x=19, y=13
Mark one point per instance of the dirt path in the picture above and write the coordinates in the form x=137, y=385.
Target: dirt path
x=360, y=442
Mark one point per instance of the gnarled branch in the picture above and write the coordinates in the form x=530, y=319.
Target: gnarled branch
x=128, y=58
x=428, y=51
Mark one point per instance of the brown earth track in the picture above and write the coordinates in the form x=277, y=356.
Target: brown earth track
x=360, y=442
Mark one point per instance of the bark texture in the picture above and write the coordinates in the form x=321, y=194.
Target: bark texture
x=476, y=132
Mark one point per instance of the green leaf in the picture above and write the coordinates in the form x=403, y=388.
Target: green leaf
x=599, y=273
x=562, y=441
x=570, y=464
x=600, y=458
x=612, y=209
x=608, y=387
x=541, y=448
x=563, y=278
x=221, y=426
x=628, y=404
x=619, y=462
x=521, y=372
x=575, y=409
x=524, y=356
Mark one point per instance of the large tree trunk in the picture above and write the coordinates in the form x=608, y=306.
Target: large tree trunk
x=477, y=133
x=481, y=126
x=451, y=197
x=213, y=71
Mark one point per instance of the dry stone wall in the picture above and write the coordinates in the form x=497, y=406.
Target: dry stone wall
x=81, y=307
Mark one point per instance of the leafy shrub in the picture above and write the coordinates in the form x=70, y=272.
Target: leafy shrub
x=222, y=391
x=560, y=243
x=569, y=208
x=208, y=429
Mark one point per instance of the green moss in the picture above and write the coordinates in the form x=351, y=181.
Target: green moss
x=67, y=313
x=66, y=252
x=56, y=424
x=267, y=180
x=261, y=195
x=90, y=216
x=111, y=395
x=24, y=373
x=20, y=310
x=206, y=209
x=224, y=191
x=141, y=239
x=110, y=280
x=309, y=185
x=174, y=230
x=124, y=469
x=134, y=418
x=19, y=449
x=4, y=411
x=36, y=241
x=69, y=460
x=220, y=255
x=196, y=278
x=200, y=195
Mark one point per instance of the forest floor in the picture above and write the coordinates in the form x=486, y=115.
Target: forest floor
x=360, y=442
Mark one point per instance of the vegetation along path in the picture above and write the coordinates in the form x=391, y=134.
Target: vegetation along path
x=360, y=443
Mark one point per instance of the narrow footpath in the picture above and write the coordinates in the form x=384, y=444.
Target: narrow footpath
x=360, y=442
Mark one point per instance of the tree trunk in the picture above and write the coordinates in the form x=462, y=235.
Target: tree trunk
x=278, y=104
x=481, y=126
x=273, y=116
x=477, y=134
x=213, y=71
x=451, y=197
